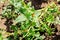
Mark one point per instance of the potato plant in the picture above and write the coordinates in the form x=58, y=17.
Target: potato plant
x=28, y=22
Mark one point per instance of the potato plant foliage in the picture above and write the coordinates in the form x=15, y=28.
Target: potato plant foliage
x=28, y=22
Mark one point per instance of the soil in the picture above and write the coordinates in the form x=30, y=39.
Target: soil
x=2, y=21
x=38, y=4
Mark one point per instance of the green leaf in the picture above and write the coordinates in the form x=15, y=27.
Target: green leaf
x=48, y=29
x=15, y=34
x=20, y=18
x=1, y=38
x=14, y=28
x=37, y=34
x=50, y=18
x=29, y=4
x=22, y=27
